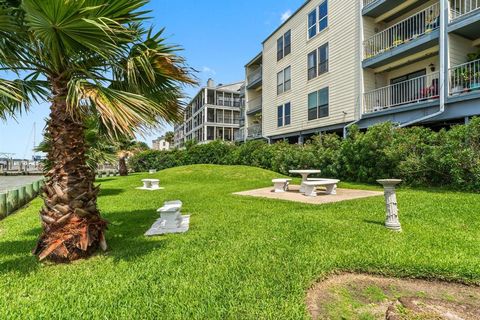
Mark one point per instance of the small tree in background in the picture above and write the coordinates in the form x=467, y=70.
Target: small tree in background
x=169, y=136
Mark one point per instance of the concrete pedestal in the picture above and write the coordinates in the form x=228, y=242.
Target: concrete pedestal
x=392, y=222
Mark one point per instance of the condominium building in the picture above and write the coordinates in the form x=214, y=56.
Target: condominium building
x=161, y=144
x=253, y=98
x=213, y=114
x=337, y=62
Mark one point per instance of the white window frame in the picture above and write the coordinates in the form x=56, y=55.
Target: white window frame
x=318, y=20
x=281, y=87
x=283, y=117
x=284, y=45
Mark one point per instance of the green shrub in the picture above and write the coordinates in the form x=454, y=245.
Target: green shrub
x=419, y=156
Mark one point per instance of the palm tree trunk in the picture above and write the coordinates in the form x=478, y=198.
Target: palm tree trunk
x=72, y=226
x=122, y=166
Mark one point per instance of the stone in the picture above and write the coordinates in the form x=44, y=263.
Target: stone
x=392, y=222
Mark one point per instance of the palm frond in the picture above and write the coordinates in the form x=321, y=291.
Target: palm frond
x=16, y=96
x=123, y=113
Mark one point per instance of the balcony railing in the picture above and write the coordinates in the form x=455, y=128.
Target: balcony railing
x=403, y=32
x=415, y=90
x=254, y=75
x=255, y=104
x=465, y=78
x=459, y=8
x=367, y=2
x=254, y=131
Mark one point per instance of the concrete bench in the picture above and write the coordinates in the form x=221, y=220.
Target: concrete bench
x=150, y=184
x=171, y=215
x=312, y=184
x=280, y=185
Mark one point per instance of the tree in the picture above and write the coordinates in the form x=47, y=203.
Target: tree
x=169, y=136
x=127, y=148
x=100, y=147
x=88, y=58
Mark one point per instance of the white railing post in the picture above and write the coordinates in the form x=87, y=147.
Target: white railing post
x=464, y=78
x=404, y=31
x=459, y=8
x=419, y=89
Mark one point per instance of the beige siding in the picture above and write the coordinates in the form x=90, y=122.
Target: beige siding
x=343, y=80
x=459, y=48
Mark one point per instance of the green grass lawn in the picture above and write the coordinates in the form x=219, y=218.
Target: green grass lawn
x=243, y=258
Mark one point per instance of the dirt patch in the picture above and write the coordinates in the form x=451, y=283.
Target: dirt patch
x=360, y=296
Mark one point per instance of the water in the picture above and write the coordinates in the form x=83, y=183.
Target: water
x=12, y=182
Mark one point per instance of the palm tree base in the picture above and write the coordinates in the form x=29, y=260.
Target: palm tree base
x=75, y=240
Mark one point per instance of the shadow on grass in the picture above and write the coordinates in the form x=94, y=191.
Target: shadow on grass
x=125, y=239
x=105, y=192
x=22, y=260
x=379, y=223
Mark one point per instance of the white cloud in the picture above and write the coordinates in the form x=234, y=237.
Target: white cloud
x=286, y=15
x=208, y=70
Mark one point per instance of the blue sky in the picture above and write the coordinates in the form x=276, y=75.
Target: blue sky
x=218, y=37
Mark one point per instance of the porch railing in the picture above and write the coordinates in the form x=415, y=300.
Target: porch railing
x=254, y=131
x=254, y=104
x=459, y=8
x=465, y=78
x=410, y=91
x=367, y=2
x=403, y=32
x=254, y=75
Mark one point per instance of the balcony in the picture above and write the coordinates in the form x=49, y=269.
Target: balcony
x=412, y=35
x=254, y=78
x=465, y=18
x=392, y=8
x=411, y=92
x=465, y=78
x=254, y=131
x=254, y=106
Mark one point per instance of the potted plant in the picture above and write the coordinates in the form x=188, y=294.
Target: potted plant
x=475, y=81
x=397, y=42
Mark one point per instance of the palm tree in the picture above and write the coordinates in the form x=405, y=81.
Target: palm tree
x=125, y=149
x=169, y=137
x=88, y=58
x=100, y=148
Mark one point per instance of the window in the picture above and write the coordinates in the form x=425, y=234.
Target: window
x=284, y=80
x=323, y=59
x=227, y=116
x=284, y=115
x=287, y=79
x=316, y=26
x=280, y=116
x=312, y=24
x=219, y=116
x=280, y=48
x=288, y=43
x=280, y=82
x=287, y=114
x=320, y=55
x=312, y=65
x=318, y=104
x=323, y=16
x=284, y=45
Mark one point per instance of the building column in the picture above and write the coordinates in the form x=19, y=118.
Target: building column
x=301, y=139
x=444, y=51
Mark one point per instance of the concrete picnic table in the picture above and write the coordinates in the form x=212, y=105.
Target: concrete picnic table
x=304, y=174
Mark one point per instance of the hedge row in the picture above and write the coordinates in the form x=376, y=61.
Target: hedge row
x=418, y=155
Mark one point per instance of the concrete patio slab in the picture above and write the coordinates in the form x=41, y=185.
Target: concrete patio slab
x=294, y=195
